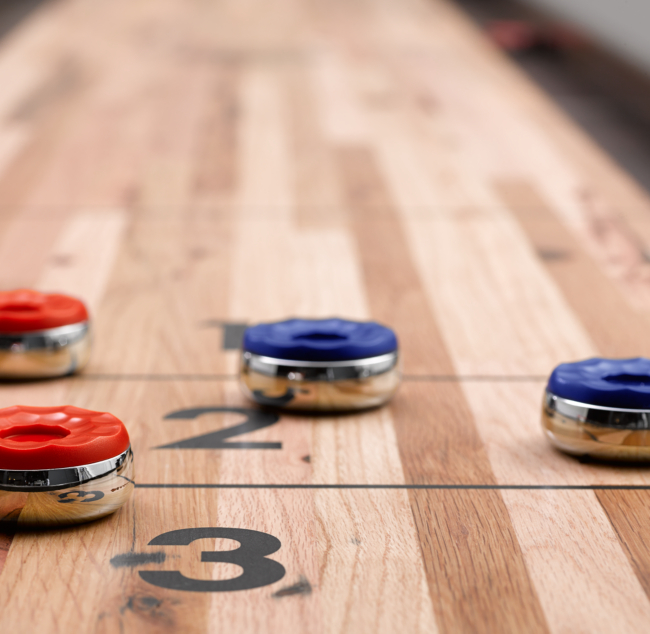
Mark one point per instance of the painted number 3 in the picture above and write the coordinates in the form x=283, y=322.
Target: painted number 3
x=251, y=556
x=79, y=496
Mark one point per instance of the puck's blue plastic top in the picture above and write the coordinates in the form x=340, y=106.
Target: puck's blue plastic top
x=320, y=340
x=621, y=383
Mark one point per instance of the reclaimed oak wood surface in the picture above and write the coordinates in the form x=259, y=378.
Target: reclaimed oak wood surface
x=182, y=165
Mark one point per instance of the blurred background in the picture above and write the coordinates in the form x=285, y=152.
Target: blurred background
x=591, y=56
x=621, y=24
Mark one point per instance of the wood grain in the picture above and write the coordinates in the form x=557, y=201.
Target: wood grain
x=477, y=576
x=202, y=163
x=501, y=421
x=569, y=544
x=627, y=511
x=83, y=256
x=613, y=324
x=357, y=563
x=5, y=545
x=441, y=453
x=443, y=447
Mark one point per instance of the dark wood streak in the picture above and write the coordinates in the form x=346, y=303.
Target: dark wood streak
x=217, y=155
x=5, y=545
x=614, y=326
x=629, y=513
x=477, y=579
x=475, y=569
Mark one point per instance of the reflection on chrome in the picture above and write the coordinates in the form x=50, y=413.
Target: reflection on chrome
x=53, y=479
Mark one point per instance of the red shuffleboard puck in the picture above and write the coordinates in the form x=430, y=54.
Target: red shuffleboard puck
x=42, y=335
x=62, y=465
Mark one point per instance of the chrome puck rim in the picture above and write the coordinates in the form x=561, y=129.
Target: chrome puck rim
x=36, y=480
x=296, y=370
x=49, y=339
x=598, y=415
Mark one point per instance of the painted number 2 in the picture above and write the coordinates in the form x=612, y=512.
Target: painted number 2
x=255, y=419
x=251, y=556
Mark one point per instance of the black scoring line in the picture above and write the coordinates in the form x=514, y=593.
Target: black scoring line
x=443, y=378
x=453, y=487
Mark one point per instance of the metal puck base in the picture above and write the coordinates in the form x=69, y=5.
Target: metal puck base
x=325, y=385
x=59, y=497
x=45, y=353
x=604, y=433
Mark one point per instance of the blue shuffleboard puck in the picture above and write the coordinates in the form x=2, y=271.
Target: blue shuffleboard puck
x=320, y=364
x=600, y=408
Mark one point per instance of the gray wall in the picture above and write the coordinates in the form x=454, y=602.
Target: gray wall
x=622, y=25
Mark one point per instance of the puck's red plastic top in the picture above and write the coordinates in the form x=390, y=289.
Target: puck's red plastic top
x=24, y=310
x=33, y=438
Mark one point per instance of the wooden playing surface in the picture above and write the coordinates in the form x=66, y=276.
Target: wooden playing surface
x=189, y=166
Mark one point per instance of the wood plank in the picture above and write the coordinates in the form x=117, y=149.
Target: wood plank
x=476, y=572
x=393, y=284
x=508, y=416
x=317, y=191
x=167, y=267
x=475, y=95
x=82, y=258
x=569, y=543
x=628, y=513
x=264, y=159
x=483, y=266
x=43, y=129
x=446, y=451
x=216, y=176
x=615, y=326
x=359, y=578
x=21, y=267
x=507, y=341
